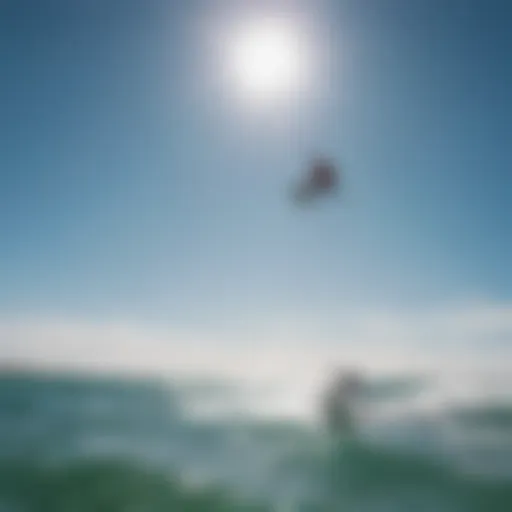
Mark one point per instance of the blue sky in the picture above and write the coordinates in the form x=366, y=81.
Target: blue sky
x=132, y=186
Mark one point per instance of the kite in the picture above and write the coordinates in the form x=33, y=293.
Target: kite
x=321, y=179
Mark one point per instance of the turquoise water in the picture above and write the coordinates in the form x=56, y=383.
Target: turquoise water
x=89, y=444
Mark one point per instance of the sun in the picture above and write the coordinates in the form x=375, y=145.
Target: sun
x=268, y=60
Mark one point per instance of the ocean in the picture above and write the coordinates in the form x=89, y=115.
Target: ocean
x=78, y=443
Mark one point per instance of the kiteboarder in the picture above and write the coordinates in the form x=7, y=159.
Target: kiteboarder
x=339, y=403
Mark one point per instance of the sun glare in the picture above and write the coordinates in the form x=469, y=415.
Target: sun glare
x=267, y=60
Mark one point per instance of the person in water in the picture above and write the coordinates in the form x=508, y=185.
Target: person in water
x=340, y=402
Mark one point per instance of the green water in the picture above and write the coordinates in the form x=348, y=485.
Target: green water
x=110, y=445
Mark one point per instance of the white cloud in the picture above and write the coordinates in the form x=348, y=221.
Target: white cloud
x=460, y=336
x=291, y=358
